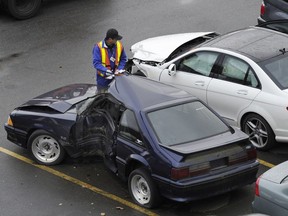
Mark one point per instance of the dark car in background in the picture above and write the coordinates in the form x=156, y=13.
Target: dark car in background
x=273, y=10
x=161, y=139
x=277, y=25
x=21, y=9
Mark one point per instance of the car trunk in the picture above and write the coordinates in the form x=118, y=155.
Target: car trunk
x=212, y=158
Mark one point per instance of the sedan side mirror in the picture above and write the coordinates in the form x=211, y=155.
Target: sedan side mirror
x=172, y=70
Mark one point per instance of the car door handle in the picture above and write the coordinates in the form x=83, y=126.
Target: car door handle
x=242, y=92
x=200, y=83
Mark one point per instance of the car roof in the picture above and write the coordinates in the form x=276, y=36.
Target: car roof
x=255, y=42
x=139, y=93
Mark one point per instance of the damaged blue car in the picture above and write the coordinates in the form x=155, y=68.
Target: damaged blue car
x=162, y=140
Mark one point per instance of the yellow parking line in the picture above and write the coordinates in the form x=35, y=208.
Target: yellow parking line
x=79, y=182
x=264, y=163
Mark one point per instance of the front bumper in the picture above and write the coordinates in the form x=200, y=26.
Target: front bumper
x=16, y=136
x=209, y=186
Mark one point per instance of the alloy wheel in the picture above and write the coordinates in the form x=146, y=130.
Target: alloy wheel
x=46, y=149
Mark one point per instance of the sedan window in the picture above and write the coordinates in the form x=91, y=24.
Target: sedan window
x=129, y=128
x=199, y=63
x=276, y=68
x=238, y=71
x=185, y=123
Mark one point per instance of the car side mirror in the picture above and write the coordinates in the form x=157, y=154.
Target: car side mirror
x=172, y=70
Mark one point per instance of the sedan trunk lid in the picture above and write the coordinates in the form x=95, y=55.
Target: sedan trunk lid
x=277, y=174
x=211, y=142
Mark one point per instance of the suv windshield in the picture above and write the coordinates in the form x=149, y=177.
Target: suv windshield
x=277, y=69
x=185, y=123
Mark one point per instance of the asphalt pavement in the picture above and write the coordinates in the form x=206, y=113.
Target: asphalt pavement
x=55, y=49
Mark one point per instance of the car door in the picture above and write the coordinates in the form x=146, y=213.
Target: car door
x=233, y=89
x=130, y=143
x=95, y=127
x=192, y=73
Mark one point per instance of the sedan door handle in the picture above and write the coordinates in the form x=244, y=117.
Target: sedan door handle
x=200, y=83
x=242, y=92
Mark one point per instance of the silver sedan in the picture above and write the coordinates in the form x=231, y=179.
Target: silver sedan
x=271, y=192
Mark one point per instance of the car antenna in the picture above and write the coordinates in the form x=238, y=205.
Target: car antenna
x=283, y=51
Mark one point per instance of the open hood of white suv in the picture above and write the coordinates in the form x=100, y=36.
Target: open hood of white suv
x=159, y=48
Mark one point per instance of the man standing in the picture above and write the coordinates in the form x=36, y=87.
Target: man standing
x=108, y=57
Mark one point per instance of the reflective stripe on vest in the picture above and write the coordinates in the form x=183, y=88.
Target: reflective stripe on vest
x=104, y=54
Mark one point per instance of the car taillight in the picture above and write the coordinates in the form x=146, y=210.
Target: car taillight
x=9, y=122
x=257, y=190
x=250, y=154
x=194, y=170
x=262, y=9
x=178, y=174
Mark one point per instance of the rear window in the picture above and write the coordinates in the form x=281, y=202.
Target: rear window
x=185, y=123
x=277, y=69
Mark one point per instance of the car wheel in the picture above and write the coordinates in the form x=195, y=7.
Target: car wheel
x=260, y=133
x=142, y=189
x=22, y=9
x=45, y=149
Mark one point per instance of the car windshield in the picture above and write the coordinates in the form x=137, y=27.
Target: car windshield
x=277, y=69
x=185, y=123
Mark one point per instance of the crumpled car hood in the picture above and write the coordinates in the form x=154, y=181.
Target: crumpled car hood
x=159, y=48
x=63, y=98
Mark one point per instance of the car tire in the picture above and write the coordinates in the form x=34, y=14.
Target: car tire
x=260, y=133
x=22, y=9
x=142, y=189
x=45, y=149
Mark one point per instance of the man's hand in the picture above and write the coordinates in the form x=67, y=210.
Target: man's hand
x=108, y=73
x=119, y=72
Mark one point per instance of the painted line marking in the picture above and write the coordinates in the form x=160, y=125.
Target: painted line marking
x=264, y=163
x=78, y=182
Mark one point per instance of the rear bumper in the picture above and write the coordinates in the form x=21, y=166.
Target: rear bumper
x=209, y=186
x=260, y=20
x=260, y=205
x=281, y=135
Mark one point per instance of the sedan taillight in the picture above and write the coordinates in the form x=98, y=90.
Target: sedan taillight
x=262, y=9
x=251, y=152
x=257, y=190
x=181, y=173
x=186, y=172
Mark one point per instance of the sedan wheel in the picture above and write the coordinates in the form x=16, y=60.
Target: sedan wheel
x=45, y=148
x=259, y=131
x=142, y=189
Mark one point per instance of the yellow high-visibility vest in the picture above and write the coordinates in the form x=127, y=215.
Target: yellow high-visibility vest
x=104, y=54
